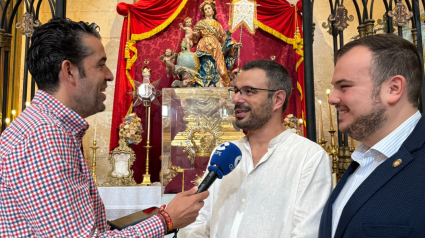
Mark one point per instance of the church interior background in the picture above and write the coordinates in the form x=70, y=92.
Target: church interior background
x=104, y=13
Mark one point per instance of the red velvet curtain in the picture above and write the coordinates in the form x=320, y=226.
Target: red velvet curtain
x=155, y=26
x=283, y=20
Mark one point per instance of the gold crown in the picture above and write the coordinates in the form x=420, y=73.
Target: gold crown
x=212, y=3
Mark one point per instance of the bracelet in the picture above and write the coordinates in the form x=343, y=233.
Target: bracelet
x=167, y=217
x=164, y=223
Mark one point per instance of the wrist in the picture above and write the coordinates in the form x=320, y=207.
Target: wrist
x=168, y=223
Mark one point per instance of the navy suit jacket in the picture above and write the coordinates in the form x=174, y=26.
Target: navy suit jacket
x=390, y=202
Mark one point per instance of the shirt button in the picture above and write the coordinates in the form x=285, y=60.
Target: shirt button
x=243, y=200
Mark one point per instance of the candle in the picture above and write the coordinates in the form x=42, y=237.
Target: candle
x=7, y=120
x=322, y=134
x=328, y=92
x=27, y=104
x=13, y=115
x=95, y=127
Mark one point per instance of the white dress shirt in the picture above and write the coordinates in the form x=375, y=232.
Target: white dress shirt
x=369, y=159
x=282, y=196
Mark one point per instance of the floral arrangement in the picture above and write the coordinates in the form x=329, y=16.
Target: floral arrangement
x=131, y=129
x=291, y=122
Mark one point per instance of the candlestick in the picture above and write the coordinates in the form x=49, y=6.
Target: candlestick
x=147, y=176
x=352, y=148
x=333, y=152
x=322, y=134
x=328, y=92
x=93, y=167
x=334, y=181
x=95, y=127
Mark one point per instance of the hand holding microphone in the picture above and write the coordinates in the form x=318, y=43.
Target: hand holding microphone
x=224, y=159
x=184, y=208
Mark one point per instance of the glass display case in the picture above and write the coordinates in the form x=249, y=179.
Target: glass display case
x=194, y=122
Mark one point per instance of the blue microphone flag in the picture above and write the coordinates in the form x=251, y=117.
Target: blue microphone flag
x=225, y=158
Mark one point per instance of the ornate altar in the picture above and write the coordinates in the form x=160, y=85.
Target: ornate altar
x=194, y=122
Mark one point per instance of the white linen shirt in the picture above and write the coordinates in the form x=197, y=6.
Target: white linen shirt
x=282, y=196
x=369, y=159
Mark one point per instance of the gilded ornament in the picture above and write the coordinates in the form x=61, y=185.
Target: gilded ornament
x=28, y=24
x=197, y=180
x=123, y=156
x=341, y=18
x=400, y=14
x=202, y=138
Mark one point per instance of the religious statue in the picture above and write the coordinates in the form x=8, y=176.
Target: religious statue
x=168, y=58
x=185, y=80
x=216, y=50
x=187, y=42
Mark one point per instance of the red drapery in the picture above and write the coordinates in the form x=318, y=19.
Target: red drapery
x=284, y=21
x=152, y=29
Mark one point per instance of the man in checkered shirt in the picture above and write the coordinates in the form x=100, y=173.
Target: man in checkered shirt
x=46, y=189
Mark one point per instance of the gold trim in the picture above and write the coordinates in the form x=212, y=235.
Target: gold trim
x=281, y=36
x=299, y=63
x=137, y=37
x=300, y=90
x=124, y=180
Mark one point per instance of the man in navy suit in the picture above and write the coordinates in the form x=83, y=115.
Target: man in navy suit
x=377, y=83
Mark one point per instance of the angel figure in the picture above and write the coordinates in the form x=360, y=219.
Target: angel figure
x=168, y=58
x=184, y=82
x=187, y=42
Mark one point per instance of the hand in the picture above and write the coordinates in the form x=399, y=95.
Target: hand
x=238, y=45
x=185, y=206
x=180, y=24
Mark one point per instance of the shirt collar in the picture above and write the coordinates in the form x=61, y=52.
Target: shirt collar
x=390, y=144
x=273, y=142
x=68, y=118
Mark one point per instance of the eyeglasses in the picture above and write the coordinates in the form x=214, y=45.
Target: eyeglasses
x=247, y=90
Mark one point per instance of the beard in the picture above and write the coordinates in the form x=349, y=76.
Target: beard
x=257, y=117
x=365, y=126
x=89, y=100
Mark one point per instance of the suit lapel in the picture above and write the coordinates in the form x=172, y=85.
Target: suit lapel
x=380, y=176
x=326, y=220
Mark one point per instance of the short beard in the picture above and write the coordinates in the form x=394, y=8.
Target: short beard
x=258, y=116
x=365, y=126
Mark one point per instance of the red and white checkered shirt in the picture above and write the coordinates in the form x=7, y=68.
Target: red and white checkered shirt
x=46, y=189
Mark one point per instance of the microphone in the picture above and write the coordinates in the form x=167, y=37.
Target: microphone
x=224, y=159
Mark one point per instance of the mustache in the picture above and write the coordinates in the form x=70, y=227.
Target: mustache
x=243, y=107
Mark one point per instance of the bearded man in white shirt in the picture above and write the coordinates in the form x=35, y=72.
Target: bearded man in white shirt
x=283, y=180
x=377, y=84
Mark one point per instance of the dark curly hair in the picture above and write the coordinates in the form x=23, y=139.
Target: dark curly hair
x=52, y=43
